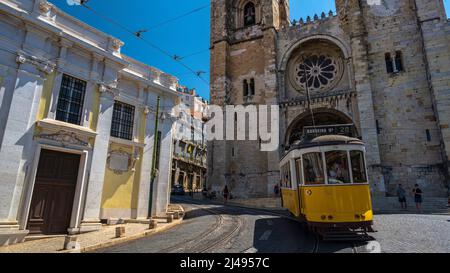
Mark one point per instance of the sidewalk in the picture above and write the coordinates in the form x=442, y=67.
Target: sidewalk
x=390, y=205
x=93, y=240
x=381, y=205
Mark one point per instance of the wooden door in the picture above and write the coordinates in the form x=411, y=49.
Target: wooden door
x=54, y=191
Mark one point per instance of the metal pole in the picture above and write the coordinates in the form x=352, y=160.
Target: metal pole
x=308, y=95
x=155, y=146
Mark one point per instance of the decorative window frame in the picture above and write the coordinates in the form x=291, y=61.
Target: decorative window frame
x=309, y=51
x=239, y=13
x=131, y=161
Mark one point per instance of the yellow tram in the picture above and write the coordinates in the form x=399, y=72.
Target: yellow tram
x=324, y=183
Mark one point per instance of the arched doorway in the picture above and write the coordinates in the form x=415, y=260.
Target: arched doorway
x=322, y=117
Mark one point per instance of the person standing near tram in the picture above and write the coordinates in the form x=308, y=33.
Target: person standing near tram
x=418, y=197
x=401, y=193
x=226, y=194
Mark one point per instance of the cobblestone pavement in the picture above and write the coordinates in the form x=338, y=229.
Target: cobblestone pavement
x=213, y=228
x=93, y=240
x=413, y=233
x=56, y=244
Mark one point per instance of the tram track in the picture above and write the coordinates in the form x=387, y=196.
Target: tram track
x=317, y=239
x=316, y=244
x=227, y=238
x=202, y=243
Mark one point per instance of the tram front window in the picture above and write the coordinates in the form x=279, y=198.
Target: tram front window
x=337, y=167
x=313, y=169
x=358, y=167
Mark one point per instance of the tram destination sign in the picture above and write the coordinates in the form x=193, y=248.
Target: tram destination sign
x=311, y=132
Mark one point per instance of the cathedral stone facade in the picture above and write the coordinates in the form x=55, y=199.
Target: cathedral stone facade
x=380, y=65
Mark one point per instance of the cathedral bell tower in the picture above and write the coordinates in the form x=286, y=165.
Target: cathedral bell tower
x=243, y=72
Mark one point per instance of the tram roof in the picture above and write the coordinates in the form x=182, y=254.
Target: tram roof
x=326, y=140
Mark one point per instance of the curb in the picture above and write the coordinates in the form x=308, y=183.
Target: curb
x=129, y=238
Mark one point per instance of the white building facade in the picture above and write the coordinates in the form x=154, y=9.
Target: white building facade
x=189, y=165
x=77, y=126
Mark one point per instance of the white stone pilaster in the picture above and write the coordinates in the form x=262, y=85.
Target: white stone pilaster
x=146, y=169
x=161, y=190
x=64, y=45
x=16, y=151
x=91, y=219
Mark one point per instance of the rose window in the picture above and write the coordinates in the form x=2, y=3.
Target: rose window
x=316, y=72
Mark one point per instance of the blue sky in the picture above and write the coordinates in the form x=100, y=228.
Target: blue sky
x=182, y=37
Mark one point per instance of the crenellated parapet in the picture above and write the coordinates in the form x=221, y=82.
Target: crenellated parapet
x=316, y=19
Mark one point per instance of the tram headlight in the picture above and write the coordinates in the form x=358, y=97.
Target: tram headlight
x=357, y=216
x=324, y=217
x=363, y=216
x=330, y=217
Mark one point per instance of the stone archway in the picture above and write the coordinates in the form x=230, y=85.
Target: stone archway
x=322, y=117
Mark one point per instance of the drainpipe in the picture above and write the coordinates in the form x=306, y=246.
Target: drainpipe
x=155, y=146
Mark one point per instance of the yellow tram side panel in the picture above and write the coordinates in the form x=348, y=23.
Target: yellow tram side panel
x=341, y=202
x=291, y=201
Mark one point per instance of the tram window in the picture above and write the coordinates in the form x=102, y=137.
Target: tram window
x=337, y=167
x=298, y=166
x=286, y=176
x=358, y=167
x=313, y=169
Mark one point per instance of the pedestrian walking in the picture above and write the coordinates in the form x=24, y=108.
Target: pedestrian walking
x=276, y=189
x=226, y=194
x=418, y=197
x=401, y=193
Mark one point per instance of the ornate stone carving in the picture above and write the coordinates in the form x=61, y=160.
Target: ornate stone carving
x=316, y=67
x=42, y=65
x=64, y=138
x=117, y=44
x=111, y=89
x=318, y=71
x=146, y=110
x=21, y=59
x=121, y=162
x=45, y=7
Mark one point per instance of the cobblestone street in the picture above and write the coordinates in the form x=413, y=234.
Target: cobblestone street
x=217, y=229
x=413, y=233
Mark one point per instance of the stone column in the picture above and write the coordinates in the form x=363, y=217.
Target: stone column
x=17, y=148
x=91, y=218
x=161, y=190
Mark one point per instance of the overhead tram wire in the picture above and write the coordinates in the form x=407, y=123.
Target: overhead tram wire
x=194, y=54
x=180, y=16
x=139, y=36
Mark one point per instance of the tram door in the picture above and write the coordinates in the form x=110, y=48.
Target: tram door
x=299, y=182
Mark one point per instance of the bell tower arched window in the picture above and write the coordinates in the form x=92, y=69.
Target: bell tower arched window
x=249, y=14
x=245, y=88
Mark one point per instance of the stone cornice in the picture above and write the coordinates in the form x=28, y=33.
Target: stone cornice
x=342, y=94
x=40, y=64
x=56, y=125
x=45, y=23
